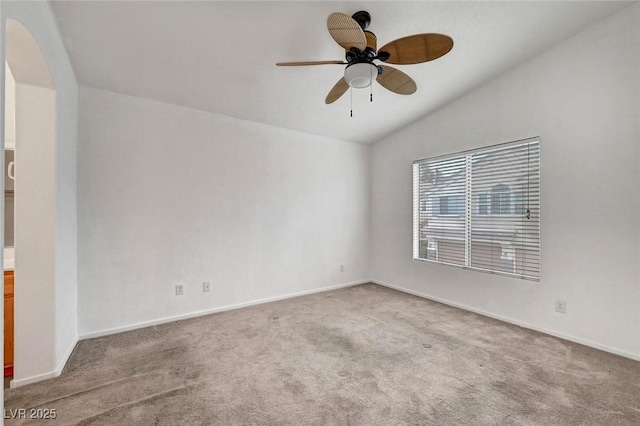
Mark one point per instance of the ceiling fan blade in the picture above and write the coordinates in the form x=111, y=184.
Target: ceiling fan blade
x=395, y=80
x=298, y=64
x=346, y=31
x=338, y=90
x=417, y=48
x=372, y=40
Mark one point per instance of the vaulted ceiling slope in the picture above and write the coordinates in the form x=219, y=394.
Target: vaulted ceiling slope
x=220, y=56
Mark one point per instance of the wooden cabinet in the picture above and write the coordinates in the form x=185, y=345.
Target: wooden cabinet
x=8, y=323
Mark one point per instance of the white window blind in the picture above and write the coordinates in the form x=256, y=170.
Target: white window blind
x=480, y=209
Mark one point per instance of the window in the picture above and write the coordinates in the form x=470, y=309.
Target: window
x=430, y=248
x=500, y=199
x=451, y=204
x=483, y=204
x=481, y=209
x=508, y=258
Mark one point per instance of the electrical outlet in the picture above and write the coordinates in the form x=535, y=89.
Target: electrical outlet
x=179, y=289
x=206, y=286
x=561, y=306
x=341, y=268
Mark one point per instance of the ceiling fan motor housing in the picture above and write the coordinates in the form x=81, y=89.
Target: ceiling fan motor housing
x=363, y=18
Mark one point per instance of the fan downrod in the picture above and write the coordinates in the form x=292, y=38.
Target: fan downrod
x=363, y=18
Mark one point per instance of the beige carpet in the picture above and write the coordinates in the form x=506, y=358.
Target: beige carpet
x=364, y=355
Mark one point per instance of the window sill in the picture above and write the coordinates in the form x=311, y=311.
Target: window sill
x=470, y=268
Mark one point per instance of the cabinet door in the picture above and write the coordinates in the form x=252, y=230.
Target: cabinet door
x=8, y=320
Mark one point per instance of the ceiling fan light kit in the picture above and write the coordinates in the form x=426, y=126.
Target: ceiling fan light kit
x=360, y=75
x=360, y=53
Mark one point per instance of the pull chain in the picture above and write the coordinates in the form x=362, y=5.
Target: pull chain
x=351, y=96
x=371, y=87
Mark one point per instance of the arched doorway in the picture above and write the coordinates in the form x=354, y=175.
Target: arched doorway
x=30, y=116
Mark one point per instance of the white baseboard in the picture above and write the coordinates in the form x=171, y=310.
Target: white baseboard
x=66, y=355
x=16, y=383
x=570, y=338
x=115, y=330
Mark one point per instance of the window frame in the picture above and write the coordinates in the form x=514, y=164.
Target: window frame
x=516, y=197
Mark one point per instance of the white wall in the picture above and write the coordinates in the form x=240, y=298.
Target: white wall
x=583, y=99
x=35, y=328
x=9, y=109
x=39, y=20
x=174, y=195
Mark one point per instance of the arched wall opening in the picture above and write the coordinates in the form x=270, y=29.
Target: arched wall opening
x=43, y=349
x=31, y=120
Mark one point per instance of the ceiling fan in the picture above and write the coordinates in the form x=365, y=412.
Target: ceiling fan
x=361, y=51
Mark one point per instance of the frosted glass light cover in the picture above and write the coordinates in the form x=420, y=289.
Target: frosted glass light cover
x=360, y=75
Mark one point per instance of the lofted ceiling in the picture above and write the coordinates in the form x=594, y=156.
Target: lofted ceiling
x=220, y=56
